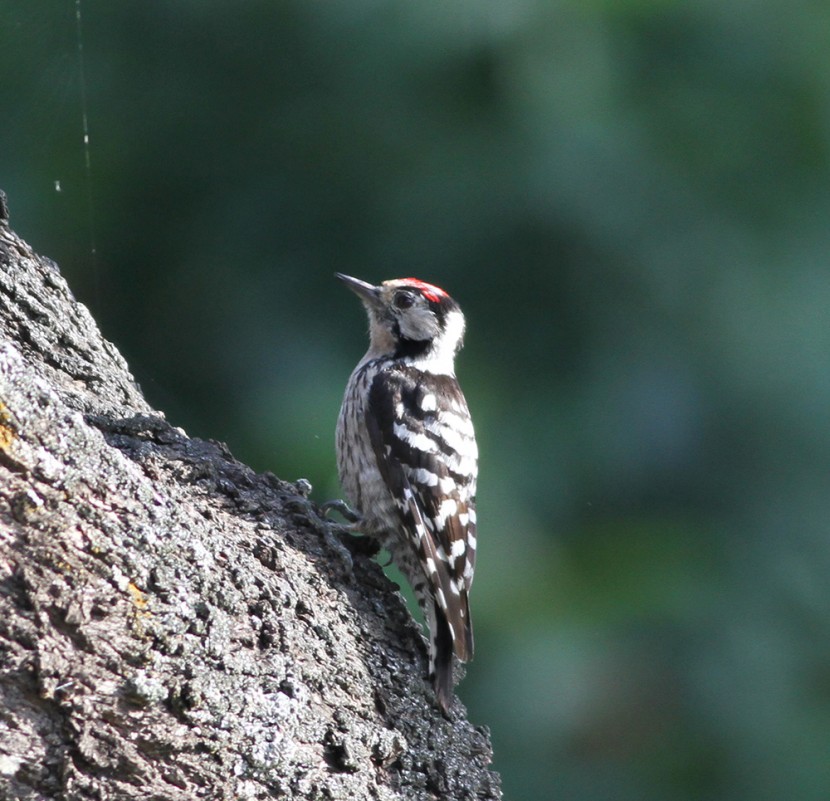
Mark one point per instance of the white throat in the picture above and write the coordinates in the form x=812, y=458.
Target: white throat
x=441, y=358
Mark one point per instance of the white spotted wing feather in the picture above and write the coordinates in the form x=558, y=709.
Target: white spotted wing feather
x=425, y=446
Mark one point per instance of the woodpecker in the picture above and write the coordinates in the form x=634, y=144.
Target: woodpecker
x=408, y=461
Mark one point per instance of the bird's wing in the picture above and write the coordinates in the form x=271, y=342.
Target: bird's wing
x=425, y=446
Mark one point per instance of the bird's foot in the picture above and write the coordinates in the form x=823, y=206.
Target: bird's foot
x=343, y=509
x=350, y=534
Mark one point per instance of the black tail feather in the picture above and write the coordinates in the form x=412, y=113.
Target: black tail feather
x=468, y=632
x=442, y=677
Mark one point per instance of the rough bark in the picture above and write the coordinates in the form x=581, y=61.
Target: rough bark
x=174, y=625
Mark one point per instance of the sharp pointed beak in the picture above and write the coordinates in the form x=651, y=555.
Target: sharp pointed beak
x=363, y=290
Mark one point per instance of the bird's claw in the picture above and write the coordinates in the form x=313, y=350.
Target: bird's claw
x=343, y=508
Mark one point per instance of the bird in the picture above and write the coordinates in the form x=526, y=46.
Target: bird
x=407, y=458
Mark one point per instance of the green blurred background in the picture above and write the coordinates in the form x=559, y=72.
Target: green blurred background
x=631, y=202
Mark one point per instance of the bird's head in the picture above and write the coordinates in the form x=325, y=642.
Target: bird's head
x=411, y=320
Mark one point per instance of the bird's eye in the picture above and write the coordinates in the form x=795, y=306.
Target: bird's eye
x=404, y=300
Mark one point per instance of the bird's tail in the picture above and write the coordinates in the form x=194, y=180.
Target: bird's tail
x=442, y=646
x=440, y=659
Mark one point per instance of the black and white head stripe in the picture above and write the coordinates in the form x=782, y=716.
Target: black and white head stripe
x=427, y=324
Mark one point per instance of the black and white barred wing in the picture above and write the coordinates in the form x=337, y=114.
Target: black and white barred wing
x=425, y=447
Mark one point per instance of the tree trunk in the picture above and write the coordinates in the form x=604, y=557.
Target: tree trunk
x=174, y=625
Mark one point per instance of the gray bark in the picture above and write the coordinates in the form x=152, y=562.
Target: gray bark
x=174, y=625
